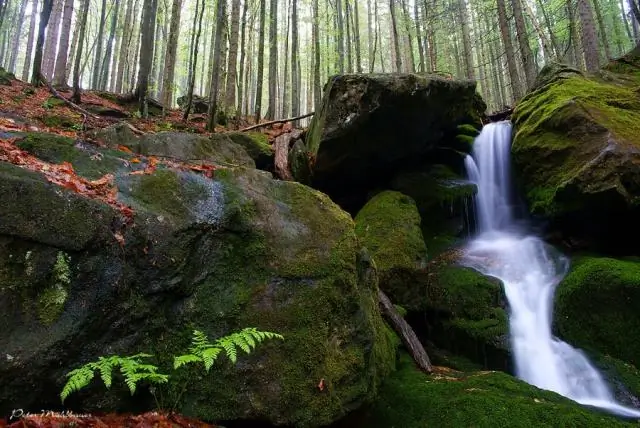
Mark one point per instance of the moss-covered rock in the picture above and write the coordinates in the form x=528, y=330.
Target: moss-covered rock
x=6, y=77
x=597, y=307
x=389, y=227
x=576, y=150
x=411, y=399
x=218, y=254
x=256, y=145
x=372, y=127
x=299, y=163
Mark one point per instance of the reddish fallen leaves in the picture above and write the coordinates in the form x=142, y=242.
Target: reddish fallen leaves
x=64, y=175
x=146, y=420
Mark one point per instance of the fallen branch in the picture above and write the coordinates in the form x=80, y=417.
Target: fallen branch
x=57, y=94
x=84, y=112
x=281, y=153
x=273, y=122
x=406, y=333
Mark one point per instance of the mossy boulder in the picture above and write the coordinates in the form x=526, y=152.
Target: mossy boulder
x=444, y=200
x=257, y=147
x=6, y=77
x=412, y=399
x=389, y=227
x=217, y=254
x=299, y=162
x=597, y=307
x=371, y=127
x=576, y=149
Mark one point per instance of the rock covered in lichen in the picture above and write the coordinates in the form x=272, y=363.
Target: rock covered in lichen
x=576, y=152
x=218, y=254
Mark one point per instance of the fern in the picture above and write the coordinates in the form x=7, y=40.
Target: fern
x=202, y=350
x=131, y=368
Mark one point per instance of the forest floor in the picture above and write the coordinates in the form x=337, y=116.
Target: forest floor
x=145, y=420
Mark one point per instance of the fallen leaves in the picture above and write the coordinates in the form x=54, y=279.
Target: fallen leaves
x=102, y=189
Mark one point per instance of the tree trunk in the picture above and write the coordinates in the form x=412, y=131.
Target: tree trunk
x=84, y=13
x=51, y=40
x=221, y=16
x=170, y=58
x=232, y=69
x=125, y=43
x=416, y=16
x=260, y=69
x=30, y=38
x=347, y=16
x=589, y=36
x=147, y=42
x=340, y=37
x=295, y=64
x=60, y=72
x=17, y=37
x=103, y=77
x=394, y=36
x=406, y=333
x=241, y=84
x=407, y=23
x=523, y=41
x=195, y=40
x=508, y=47
x=356, y=35
x=603, y=30
x=370, y=38
x=466, y=39
x=95, y=75
x=273, y=59
x=317, y=89
x=574, y=37
x=47, y=6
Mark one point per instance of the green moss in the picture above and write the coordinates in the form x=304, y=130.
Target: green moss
x=411, y=399
x=565, y=125
x=57, y=121
x=389, y=226
x=255, y=143
x=6, y=77
x=89, y=161
x=624, y=377
x=51, y=300
x=597, y=307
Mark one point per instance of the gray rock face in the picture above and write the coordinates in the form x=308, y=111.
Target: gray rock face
x=371, y=127
x=218, y=254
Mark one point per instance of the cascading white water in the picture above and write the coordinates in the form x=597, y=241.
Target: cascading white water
x=530, y=271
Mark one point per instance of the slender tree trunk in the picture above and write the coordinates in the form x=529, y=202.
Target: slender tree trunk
x=215, y=80
x=51, y=40
x=45, y=14
x=30, y=38
x=416, y=16
x=260, y=70
x=508, y=46
x=340, y=37
x=60, y=72
x=241, y=86
x=407, y=24
x=193, y=63
x=347, y=17
x=466, y=39
x=523, y=41
x=317, y=89
x=574, y=37
x=285, y=104
x=82, y=19
x=625, y=20
x=394, y=29
x=273, y=59
x=17, y=37
x=170, y=58
x=295, y=64
x=125, y=43
x=603, y=30
x=95, y=76
x=147, y=42
x=589, y=36
x=232, y=69
x=356, y=34
x=103, y=77
x=370, y=37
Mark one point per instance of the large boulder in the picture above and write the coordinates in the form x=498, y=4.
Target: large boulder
x=597, y=307
x=412, y=399
x=463, y=309
x=576, y=152
x=371, y=127
x=217, y=254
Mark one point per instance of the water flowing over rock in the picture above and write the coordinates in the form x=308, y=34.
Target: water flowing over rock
x=530, y=271
x=218, y=254
x=576, y=153
x=372, y=127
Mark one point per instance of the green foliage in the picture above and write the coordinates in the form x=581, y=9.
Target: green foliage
x=202, y=350
x=132, y=368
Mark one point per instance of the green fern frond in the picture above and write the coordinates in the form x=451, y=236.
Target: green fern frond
x=229, y=347
x=185, y=359
x=78, y=379
x=209, y=356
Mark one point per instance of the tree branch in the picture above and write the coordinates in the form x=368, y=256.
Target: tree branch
x=291, y=119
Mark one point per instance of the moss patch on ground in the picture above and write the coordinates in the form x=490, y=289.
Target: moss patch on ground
x=597, y=307
x=411, y=399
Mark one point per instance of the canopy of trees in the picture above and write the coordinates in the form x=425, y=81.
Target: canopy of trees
x=268, y=59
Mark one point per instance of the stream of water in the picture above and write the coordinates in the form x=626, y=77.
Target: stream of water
x=530, y=270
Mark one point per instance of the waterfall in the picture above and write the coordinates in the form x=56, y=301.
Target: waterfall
x=530, y=270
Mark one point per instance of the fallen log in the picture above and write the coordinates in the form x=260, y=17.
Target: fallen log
x=281, y=154
x=406, y=333
x=273, y=122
